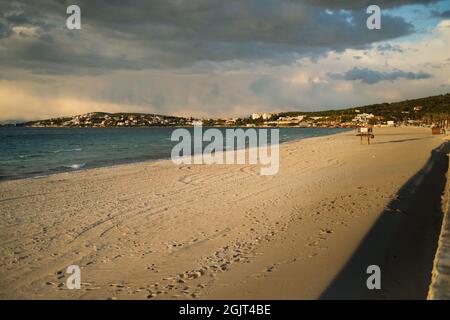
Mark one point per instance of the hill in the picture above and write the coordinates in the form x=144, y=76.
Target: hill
x=417, y=109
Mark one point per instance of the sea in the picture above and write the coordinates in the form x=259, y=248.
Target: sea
x=35, y=152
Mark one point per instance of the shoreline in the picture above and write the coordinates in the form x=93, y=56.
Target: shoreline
x=39, y=176
x=156, y=231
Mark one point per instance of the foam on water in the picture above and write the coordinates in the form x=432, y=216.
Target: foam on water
x=68, y=150
x=76, y=166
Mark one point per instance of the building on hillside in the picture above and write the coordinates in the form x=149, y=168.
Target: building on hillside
x=230, y=121
x=267, y=116
x=363, y=117
x=292, y=119
x=264, y=116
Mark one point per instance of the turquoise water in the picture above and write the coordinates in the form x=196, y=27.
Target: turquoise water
x=28, y=152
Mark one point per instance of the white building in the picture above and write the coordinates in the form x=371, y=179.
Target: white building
x=264, y=116
x=390, y=123
x=292, y=119
x=363, y=117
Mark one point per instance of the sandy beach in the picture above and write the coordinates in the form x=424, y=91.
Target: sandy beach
x=160, y=231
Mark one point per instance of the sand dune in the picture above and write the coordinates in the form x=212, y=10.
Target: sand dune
x=160, y=231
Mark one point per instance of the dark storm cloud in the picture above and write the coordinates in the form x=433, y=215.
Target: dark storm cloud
x=17, y=19
x=4, y=30
x=368, y=76
x=443, y=14
x=140, y=34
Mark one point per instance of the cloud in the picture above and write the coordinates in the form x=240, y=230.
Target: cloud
x=21, y=103
x=5, y=31
x=17, y=18
x=370, y=76
x=389, y=47
x=443, y=14
x=138, y=34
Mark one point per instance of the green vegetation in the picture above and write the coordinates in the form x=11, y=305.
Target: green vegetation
x=427, y=109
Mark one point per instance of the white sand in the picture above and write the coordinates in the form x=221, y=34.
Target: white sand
x=220, y=231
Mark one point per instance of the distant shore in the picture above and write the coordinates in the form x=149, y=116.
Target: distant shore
x=160, y=231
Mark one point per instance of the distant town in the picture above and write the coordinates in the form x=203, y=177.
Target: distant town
x=430, y=111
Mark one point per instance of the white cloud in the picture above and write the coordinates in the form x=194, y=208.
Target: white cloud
x=26, y=31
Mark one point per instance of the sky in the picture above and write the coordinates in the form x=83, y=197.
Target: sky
x=215, y=58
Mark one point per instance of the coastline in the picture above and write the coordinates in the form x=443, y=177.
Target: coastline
x=136, y=161
x=154, y=230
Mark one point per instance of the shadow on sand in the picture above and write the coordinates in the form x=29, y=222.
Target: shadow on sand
x=402, y=242
x=397, y=141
